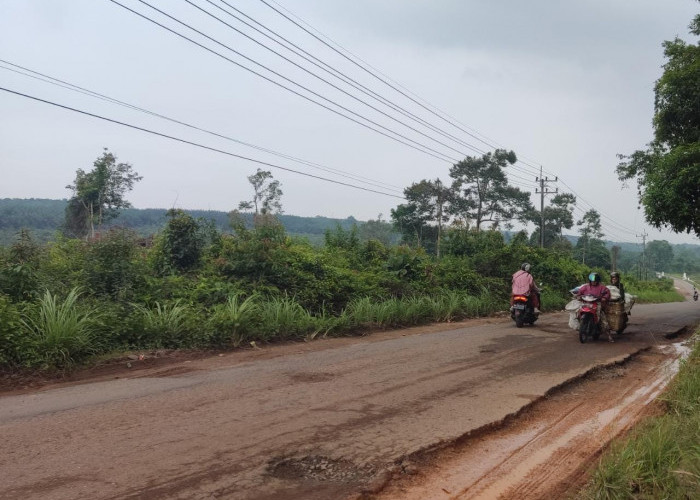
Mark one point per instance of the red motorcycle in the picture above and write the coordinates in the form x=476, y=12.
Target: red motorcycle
x=589, y=318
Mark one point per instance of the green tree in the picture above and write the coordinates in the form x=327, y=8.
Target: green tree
x=590, y=232
x=266, y=194
x=557, y=217
x=659, y=255
x=182, y=243
x=668, y=171
x=482, y=192
x=98, y=195
x=427, y=205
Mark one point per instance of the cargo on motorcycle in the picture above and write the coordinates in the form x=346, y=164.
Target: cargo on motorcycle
x=598, y=309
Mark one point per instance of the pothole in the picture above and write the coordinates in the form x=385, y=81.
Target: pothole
x=320, y=468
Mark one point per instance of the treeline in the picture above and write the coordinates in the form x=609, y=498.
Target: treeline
x=44, y=218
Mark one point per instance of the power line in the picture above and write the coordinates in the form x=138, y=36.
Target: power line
x=383, y=113
x=310, y=58
x=191, y=143
x=418, y=146
x=75, y=88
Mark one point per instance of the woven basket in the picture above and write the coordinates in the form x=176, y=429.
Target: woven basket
x=616, y=311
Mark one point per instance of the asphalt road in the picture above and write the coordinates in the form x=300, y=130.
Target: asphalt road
x=315, y=420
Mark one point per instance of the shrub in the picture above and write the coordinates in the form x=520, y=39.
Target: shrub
x=63, y=332
x=232, y=322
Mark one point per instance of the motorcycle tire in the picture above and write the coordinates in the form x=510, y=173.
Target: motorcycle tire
x=596, y=331
x=583, y=329
x=519, y=318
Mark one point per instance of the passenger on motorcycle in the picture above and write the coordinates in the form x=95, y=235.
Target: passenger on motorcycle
x=615, y=281
x=524, y=284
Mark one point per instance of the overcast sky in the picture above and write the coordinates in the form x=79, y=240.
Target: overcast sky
x=566, y=85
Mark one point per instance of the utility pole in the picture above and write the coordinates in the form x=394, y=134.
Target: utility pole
x=643, y=267
x=542, y=190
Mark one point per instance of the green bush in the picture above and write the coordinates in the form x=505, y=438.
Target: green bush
x=17, y=348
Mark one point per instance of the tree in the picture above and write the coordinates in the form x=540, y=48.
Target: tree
x=668, y=171
x=98, y=195
x=660, y=255
x=428, y=203
x=557, y=217
x=482, y=192
x=267, y=194
x=590, y=231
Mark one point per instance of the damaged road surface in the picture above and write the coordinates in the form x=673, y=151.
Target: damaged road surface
x=392, y=415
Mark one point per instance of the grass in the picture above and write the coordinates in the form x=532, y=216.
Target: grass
x=662, y=458
x=233, y=319
x=62, y=331
x=165, y=324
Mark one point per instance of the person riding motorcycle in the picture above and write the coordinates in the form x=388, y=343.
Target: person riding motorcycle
x=695, y=294
x=524, y=284
x=595, y=288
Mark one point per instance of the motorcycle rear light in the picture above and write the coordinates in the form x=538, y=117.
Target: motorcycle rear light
x=520, y=298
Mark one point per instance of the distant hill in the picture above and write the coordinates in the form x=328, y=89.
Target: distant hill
x=44, y=217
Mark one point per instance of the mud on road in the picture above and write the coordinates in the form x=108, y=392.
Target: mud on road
x=547, y=449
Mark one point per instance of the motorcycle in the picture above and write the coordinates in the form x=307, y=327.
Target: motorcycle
x=523, y=311
x=695, y=296
x=589, y=318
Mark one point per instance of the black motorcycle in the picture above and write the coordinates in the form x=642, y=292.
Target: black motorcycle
x=523, y=311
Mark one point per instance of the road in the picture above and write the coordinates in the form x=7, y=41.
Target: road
x=319, y=420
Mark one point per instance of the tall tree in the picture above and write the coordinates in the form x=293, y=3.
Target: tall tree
x=482, y=192
x=557, y=217
x=590, y=232
x=266, y=194
x=668, y=171
x=98, y=195
x=660, y=255
x=427, y=205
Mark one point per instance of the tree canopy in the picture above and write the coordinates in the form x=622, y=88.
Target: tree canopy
x=668, y=171
x=482, y=192
x=98, y=194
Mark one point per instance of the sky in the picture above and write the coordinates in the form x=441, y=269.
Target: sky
x=566, y=85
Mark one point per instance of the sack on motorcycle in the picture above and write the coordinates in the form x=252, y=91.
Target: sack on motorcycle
x=573, y=305
x=614, y=292
x=573, y=321
x=629, y=302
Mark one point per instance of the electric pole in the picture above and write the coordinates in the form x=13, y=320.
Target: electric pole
x=643, y=267
x=543, y=190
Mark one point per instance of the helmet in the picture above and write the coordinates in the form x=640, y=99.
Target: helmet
x=614, y=274
x=594, y=277
x=525, y=267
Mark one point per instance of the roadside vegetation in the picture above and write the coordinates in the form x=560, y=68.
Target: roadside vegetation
x=661, y=459
x=95, y=289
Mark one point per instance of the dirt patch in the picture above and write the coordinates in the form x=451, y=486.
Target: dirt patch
x=548, y=449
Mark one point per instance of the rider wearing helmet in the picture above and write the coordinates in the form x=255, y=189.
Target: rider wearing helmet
x=524, y=284
x=615, y=281
x=593, y=287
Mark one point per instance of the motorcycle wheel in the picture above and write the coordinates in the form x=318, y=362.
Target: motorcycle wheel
x=519, y=318
x=583, y=329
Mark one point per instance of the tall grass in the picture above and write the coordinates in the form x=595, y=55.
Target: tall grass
x=63, y=331
x=233, y=319
x=662, y=458
x=166, y=324
x=658, y=296
x=283, y=318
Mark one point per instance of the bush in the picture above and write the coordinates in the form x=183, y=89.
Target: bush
x=16, y=346
x=62, y=331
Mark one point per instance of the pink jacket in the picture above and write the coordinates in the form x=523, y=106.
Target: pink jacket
x=600, y=291
x=523, y=283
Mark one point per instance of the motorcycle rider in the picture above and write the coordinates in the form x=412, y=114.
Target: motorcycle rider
x=695, y=294
x=524, y=284
x=595, y=288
